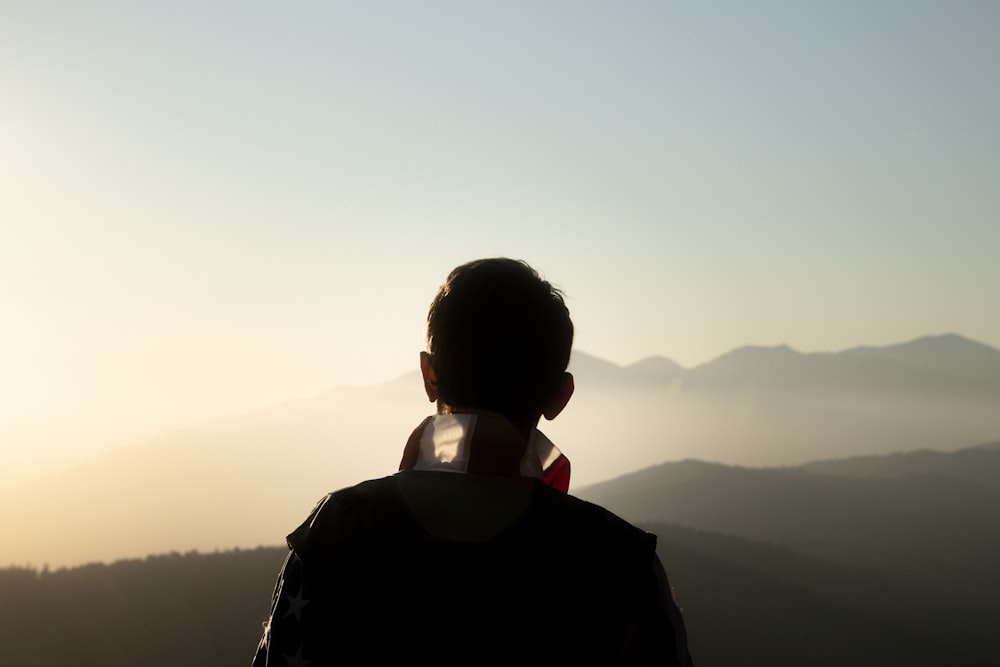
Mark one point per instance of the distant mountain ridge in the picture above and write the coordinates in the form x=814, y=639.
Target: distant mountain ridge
x=944, y=363
x=248, y=480
x=775, y=406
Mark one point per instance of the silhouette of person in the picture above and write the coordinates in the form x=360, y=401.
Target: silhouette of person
x=474, y=552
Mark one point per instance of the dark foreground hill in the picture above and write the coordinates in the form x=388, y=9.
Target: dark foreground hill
x=875, y=562
x=929, y=517
x=745, y=603
x=192, y=609
x=750, y=603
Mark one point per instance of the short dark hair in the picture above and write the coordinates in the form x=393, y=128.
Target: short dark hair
x=499, y=339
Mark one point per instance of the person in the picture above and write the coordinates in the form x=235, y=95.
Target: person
x=474, y=552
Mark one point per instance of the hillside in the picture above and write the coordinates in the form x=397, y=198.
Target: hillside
x=745, y=602
x=925, y=524
x=975, y=464
x=753, y=603
x=191, y=609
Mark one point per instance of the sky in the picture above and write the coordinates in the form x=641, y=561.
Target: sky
x=210, y=207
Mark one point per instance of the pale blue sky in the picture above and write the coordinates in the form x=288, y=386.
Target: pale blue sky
x=211, y=206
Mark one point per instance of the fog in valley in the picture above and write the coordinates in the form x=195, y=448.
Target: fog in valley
x=247, y=481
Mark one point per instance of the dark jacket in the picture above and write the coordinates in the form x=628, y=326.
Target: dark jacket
x=466, y=569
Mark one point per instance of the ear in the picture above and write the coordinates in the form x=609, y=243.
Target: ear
x=565, y=392
x=430, y=378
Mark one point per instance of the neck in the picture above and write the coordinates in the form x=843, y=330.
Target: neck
x=524, y=427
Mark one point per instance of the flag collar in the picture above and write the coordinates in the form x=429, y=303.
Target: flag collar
x=486, y=444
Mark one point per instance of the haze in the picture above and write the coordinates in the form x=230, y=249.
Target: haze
x=246, y=481
x=209, y=209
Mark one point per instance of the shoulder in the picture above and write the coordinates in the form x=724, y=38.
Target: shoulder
x=578, y=514
x=342, y=513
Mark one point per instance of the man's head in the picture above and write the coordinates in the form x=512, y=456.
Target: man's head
x=499, y=339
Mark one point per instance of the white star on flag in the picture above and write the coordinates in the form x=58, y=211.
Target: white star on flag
x=295, y=605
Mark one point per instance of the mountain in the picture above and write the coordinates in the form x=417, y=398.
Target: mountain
x=861, y=561
x=950, y=358
x=656, y=368
x=924, y=523
x=777, y=406
x=947, y=365
x=974, y=464
x=250, y=480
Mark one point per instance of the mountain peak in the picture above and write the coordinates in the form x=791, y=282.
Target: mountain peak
x=949, y=354
x=656, y=365
x=753, y=355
